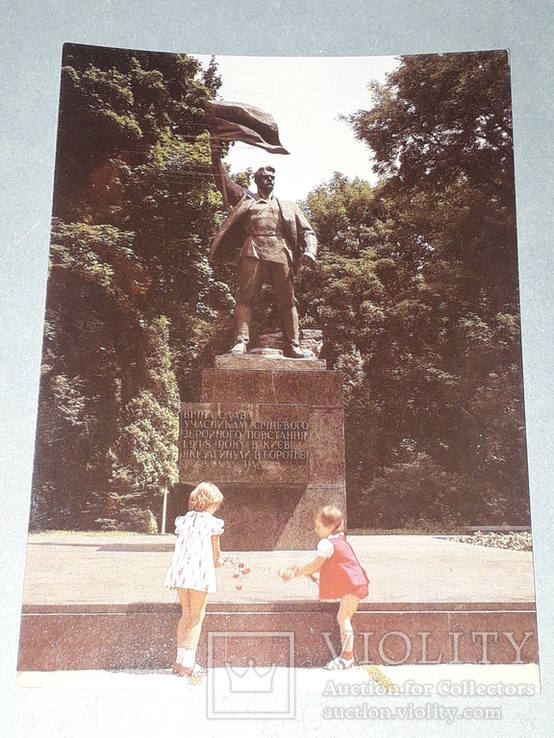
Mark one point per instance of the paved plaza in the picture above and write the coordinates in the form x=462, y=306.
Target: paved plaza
x=88, y=568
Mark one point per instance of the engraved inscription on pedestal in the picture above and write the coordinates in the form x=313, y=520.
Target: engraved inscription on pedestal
x=272, y=439
x=245, y=443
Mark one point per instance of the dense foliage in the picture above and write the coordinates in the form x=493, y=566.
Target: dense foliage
x=132, y=304
x=415, y=288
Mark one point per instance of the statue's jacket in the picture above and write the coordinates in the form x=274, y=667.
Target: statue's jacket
x=233, y=235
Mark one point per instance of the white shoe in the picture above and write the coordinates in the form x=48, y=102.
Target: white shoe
x=187, y=671
x=340, y=663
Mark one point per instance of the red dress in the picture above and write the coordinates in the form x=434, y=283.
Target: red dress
x=342, y=573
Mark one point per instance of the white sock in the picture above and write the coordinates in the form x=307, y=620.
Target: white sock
x=189, y=657
x=180, y=655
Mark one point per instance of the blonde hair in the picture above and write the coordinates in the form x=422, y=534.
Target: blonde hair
x=203, y=496
x=331, y=517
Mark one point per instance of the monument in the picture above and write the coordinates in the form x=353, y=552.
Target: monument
x=269, y=427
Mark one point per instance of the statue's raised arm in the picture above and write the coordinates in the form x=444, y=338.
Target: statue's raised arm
x=231, y=191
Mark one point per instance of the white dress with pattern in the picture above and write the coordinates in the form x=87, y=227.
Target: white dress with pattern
x=192, y=564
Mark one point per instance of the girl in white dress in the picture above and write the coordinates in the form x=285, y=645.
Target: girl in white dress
x=192, y=570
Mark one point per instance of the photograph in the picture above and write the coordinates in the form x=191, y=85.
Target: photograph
x=281, y=423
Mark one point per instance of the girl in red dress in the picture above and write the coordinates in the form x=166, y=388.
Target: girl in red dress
x=340, y=576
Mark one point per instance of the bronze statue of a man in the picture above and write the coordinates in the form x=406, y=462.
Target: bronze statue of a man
x=270, y=240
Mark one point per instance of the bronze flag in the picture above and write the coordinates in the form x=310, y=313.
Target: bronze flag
x=229, y=121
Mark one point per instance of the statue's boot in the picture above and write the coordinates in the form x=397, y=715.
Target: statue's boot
x=291, y=334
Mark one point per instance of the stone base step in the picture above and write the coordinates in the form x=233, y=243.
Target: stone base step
x=142, y=635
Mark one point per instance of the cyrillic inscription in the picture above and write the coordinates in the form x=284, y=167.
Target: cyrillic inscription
x=230, y=442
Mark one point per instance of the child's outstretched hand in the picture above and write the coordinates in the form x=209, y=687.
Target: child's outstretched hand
x=287, y=574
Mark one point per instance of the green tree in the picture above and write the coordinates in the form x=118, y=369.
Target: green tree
x=440, y=135
x=135, y=209
x=145, y=454
x=417, y=292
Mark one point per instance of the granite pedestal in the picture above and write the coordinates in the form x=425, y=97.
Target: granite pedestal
x=270, y=433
